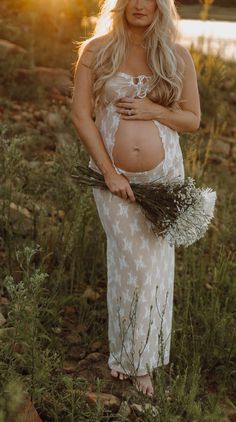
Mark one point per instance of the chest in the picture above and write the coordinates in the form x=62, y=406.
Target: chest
x=123, y=84
x=135, y=62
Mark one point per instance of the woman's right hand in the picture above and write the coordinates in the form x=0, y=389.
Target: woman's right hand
x=118, y=184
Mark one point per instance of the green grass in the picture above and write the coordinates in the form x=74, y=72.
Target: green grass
x=203, y=343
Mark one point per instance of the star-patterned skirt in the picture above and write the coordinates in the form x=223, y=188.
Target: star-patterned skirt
x=140, y=282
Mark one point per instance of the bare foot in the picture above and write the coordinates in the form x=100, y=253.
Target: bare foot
x=119, y=375
x=143, y=383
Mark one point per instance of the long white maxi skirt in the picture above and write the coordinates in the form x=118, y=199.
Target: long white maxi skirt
x=140, y=282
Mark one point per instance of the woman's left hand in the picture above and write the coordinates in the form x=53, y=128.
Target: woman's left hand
x=137, y=108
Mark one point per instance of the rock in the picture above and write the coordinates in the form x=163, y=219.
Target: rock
x=27, y=115
x=7, y=47
x=95, y=357
x=56, y=95
x=16, y=106
x=70, y=366
x=139, y=409
x=21, y=219
x=82, y=364
x=57, y=330
x=20, y=210
x=108, y=400
x=76, y=354
x=38, y=115
x=16, y=117
x=56, y=78
x=73, y=338
x=124, y=409
x=89, y=293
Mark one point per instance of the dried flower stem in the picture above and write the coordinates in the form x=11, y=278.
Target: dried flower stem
x=177, y=210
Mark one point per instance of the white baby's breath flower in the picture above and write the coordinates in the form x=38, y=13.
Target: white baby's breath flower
x=176, y=210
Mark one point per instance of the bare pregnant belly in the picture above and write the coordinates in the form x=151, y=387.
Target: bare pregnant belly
x=138, y=145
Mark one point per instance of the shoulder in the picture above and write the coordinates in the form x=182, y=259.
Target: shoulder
x=184, y=53
x=186, y=62
x=88, y=48
x=95, y=43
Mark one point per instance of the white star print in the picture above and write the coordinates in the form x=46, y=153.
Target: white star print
x=123, y=262
x=132, y=279
x=117, y=278
x=153, y=259
x=115, y=273
x=113, y=290
x=140, y=330
x=126, y=296
x=127, y=245
x=148, y=280
x=147, y=347
x=139, y=263
x=142, y=297
x=111, y=259
x=123, y=210
x=134, y=227
x=147, y=312
x=144, y=244
x=117, y=228
x=161, y=288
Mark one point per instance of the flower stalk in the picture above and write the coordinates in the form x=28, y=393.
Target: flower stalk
x=177, y=210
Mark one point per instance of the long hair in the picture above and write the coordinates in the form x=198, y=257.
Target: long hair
x=159, y=41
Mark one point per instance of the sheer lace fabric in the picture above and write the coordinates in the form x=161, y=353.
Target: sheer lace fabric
x=140, y=266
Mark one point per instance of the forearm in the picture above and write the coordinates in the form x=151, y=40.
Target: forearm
x=91, y=139
x=176, y=118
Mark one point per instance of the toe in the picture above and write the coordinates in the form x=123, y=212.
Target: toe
x=150, y=392
x=144, y=389
x=114, y=373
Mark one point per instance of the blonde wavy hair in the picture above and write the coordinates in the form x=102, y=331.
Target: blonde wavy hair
x=159, y=41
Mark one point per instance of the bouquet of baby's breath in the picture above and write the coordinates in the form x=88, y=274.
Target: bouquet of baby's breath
x=178, y=211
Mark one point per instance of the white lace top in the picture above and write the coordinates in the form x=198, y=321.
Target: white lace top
x=107, y=119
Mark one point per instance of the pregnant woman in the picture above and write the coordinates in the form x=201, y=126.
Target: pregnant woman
x=141, y=87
